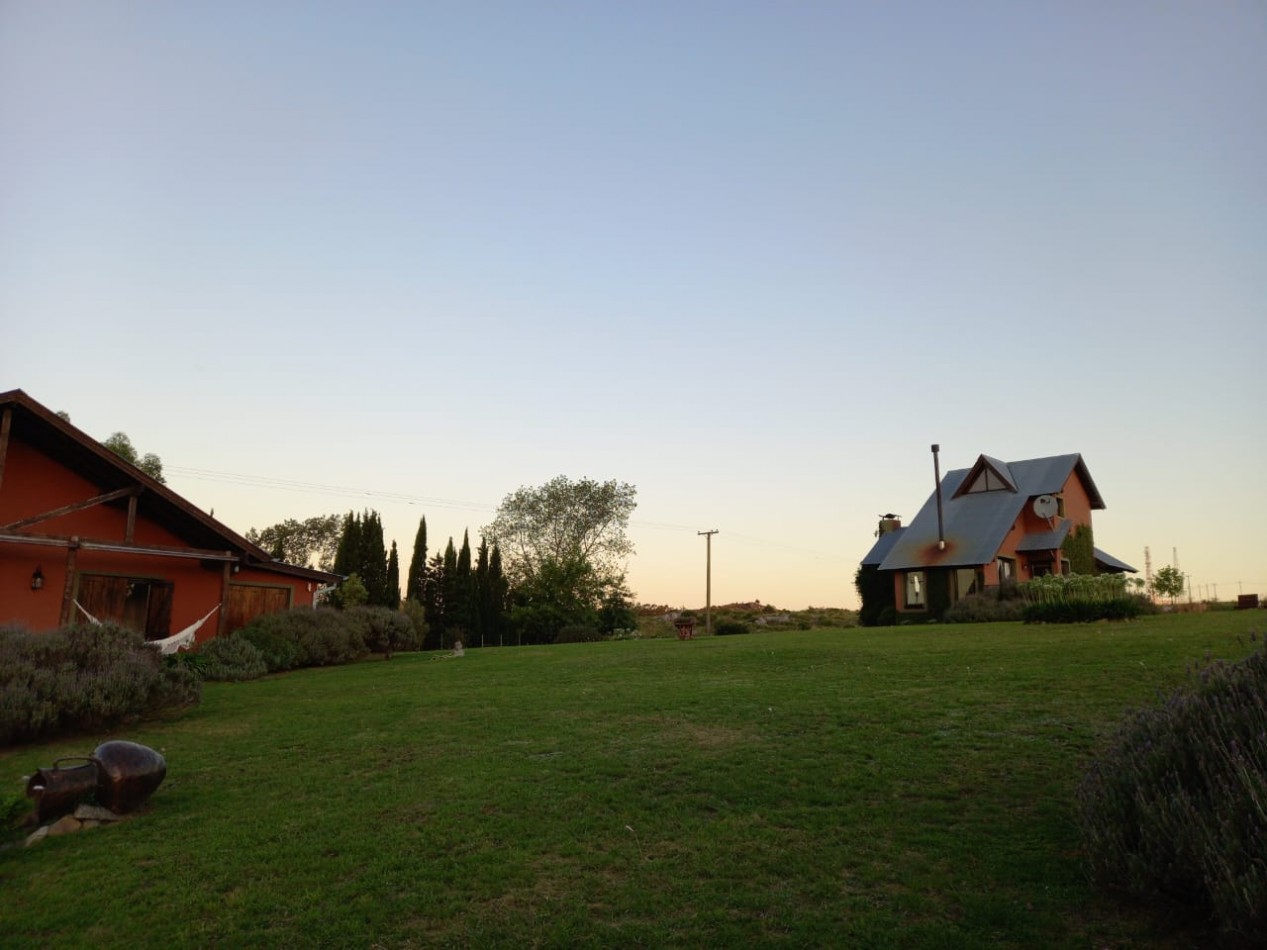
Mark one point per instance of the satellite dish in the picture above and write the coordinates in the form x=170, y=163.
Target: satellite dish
x=1046, y=506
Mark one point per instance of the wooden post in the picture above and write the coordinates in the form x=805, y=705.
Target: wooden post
x=223, y=620
x=68, y=592
x=129, y=534
x=6, y=422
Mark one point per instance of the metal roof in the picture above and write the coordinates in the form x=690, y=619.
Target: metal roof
x=977, y=522
x=881, y=547
x=1045, y=540
x=1109, y=563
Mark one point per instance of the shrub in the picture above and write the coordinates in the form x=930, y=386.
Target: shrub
x=729, y=628
x=1083, y=611
x=1175, y=808
x=1079, y=598
x=231, y=659
x=279, y=650
x=987, y=607
x=885, y=617
x=384, y=630
x=78, y=679
x=321, y=637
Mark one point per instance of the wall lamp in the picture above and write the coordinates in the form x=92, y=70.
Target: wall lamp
x=37, y=580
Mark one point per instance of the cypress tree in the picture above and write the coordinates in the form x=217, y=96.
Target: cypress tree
x=462, y=586
x=479, y=597
x=347, y=559
x=497, y=591
x=373, y=555
x=433, y=603
x=449, y=593
x=418, y=565
x=393, y=579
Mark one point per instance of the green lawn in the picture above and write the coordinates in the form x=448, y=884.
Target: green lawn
x=901, y=787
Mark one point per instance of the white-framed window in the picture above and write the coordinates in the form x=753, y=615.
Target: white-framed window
x=914, y=589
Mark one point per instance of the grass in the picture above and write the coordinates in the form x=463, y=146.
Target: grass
x=902, y=787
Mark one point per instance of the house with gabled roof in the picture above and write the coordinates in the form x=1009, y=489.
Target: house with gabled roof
x=85, y=536
x=989, y=525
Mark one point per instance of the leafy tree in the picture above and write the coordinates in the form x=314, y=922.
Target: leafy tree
x=301, y=542
x=560, y=594
x=1168, y=582
x=564, y=522
x=564, y=546
x=122, y=446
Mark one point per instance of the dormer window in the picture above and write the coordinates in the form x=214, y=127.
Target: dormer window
x=986, y=475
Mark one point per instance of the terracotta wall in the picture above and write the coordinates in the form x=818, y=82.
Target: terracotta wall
x=34, y=483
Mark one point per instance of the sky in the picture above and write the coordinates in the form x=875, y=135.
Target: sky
x=752, y=258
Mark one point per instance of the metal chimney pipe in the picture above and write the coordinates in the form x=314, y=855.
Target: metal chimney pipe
x=941, y=527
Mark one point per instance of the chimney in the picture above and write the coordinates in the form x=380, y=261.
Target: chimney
x=941, y=526
x=888, y=523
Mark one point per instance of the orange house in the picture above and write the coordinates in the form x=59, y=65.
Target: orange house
x=86, y=535
x=992, y=524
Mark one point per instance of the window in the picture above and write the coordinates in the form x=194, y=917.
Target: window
x=968, y=581
x=914, y=588
x=1007, y=570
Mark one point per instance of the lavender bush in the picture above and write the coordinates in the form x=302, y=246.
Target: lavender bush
x=78, y=679
x=1175, y=809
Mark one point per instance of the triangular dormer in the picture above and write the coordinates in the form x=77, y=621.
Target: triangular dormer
x=988, y=474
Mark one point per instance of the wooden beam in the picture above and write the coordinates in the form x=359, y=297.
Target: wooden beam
x=68, y=593
x=68, y=509
x=129, y=534
x=118, y=547
x=6, y=422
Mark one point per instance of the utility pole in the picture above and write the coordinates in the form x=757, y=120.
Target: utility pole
x=708, y=580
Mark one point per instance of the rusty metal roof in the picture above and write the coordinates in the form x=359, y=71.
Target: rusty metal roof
x=977, y=522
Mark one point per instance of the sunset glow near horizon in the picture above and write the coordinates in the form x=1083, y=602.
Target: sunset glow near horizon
x=750, y=258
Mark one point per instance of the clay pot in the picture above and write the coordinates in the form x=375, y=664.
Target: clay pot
x=128, y=774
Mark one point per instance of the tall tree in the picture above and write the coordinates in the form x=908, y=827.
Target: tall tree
x=418, y=565
x=565, y=521
x=301, y=542
x=347, y=556
x=122, y=446
x=374, y=562
x=449, y=585
x=464, y=582
x=495, y=598
x=393, y=578
x=565, y=547
x=433, y=603
x=479, y=593
x=1168, y=582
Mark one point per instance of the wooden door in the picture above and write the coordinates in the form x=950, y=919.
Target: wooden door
x=247, y=601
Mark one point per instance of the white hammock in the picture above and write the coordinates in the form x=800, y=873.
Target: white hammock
x=183, y=640
x=180, y=641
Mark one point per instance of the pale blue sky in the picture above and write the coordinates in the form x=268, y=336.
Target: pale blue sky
x=750, y=257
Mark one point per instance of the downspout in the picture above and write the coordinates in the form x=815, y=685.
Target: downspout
x=941, y=527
